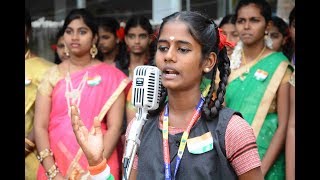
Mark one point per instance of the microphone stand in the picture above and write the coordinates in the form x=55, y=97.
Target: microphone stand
x=133, y=141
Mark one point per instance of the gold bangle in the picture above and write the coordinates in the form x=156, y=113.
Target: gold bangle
x=43, y=154
x=30, y=143
x=52, y=172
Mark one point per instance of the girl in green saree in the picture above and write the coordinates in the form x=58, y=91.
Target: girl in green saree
x=258, y=85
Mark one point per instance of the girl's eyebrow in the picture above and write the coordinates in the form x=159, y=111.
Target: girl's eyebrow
x=79, y=28
x=179, y=41
x=162, y=40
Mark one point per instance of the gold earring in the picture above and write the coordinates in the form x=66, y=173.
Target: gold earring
x=66, y=50
x=93, y=51
x=267, y=40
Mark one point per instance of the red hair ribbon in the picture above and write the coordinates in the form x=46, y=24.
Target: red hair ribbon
x=288, y=32
x=223, y=40
x=120, y=33
x=155, y=34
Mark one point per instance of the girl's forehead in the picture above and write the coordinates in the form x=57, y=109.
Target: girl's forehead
x=248, y=10
x=137, y=29
x=176, y=31
x=77, y=22
x=175, y=27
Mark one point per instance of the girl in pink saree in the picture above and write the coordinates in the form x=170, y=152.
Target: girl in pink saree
x=95, y=87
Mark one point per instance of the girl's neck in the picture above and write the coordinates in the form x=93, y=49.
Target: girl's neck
x=80, y=61
x=76, y=64
x=138, y=58
x=110, y=57
x=110, y=62
x=252, y=51
x=181, y=102
x=181, y=107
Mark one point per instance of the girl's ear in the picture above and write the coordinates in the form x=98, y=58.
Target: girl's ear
x=269, y=25
x=95, y=39
x=209, y=62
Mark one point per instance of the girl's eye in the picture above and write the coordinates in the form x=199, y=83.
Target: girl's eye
x=60, y=46
x=143, y=36
x=163, y=48
x=184, y=50
x=240, y=21
x=83, y=32
x=274, y=35
x=235, y=34
x=132, y=36
x=68, y=31
x=255, y=20
x=105, y=37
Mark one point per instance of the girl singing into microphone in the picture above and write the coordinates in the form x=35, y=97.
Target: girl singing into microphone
x=191, y=135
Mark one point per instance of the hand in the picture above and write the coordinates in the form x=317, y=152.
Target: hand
x=59, y=176
x=90, y=142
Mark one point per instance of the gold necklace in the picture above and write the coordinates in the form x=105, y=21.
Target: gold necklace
x=247, y=71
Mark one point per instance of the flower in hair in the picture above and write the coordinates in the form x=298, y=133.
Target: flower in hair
x=235, y=59
x=120, y=33
x=223, y=40
x=155, y=35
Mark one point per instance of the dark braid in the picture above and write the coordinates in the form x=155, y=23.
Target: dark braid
x=211, y=108
x=224, y=69
x=208, y=99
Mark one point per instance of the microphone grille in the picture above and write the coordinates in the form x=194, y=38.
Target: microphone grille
x=146, y=89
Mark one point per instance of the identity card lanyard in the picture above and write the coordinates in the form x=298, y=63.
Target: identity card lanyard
x=185, y=135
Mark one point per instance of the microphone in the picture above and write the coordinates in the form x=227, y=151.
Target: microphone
x=146, y=87
x=146, y=93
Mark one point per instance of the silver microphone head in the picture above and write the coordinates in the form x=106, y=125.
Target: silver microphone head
x=146, y=87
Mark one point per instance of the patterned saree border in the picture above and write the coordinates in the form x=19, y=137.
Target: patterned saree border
x=268, y=97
